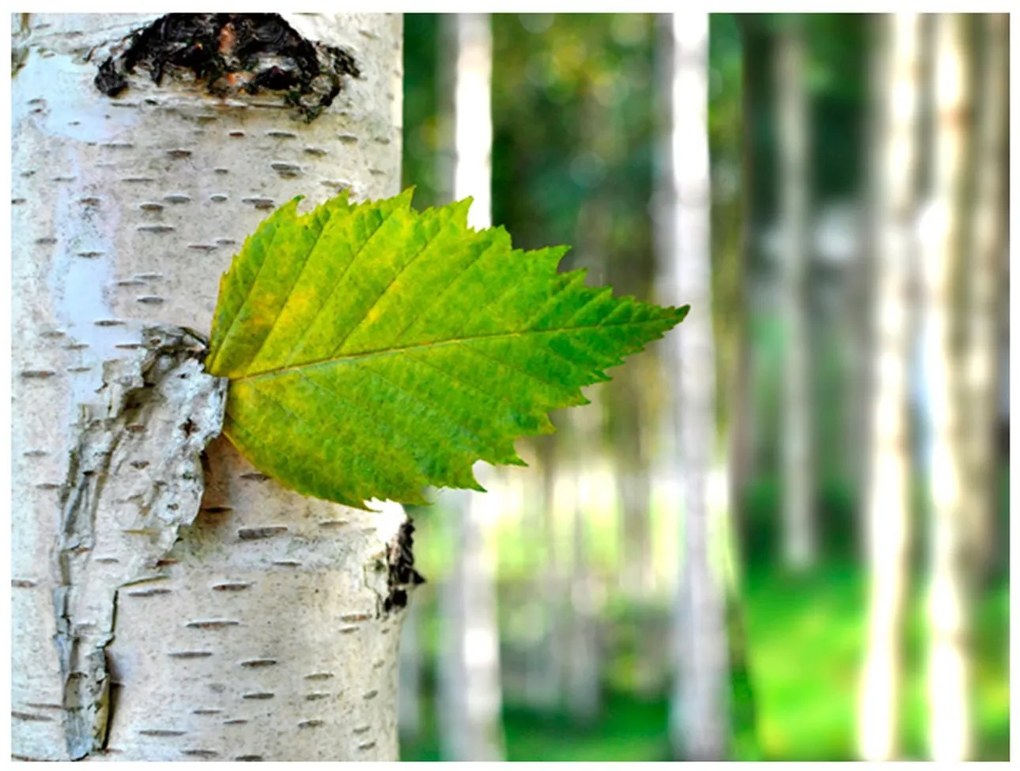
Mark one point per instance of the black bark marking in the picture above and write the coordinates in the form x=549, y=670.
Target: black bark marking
x=231, y=586
x=258, y=663
x=211, y=624
x=319, y=676
x=258, y=696
x=258, y=533
x=189, y=655
x=232, y=54
x=38, y=705
x=31, y=717
x=201, y=753
x=260, y=203
x=148, y=592
x=311, y=723
x=400, y=560
x=286, y=170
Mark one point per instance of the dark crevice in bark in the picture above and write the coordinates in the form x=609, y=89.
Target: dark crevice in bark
x=233, y=53
x=400, y=561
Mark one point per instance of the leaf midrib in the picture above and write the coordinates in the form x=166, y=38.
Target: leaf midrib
x=282, y=371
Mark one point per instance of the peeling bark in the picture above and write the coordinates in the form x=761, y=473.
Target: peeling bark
x=134, y=479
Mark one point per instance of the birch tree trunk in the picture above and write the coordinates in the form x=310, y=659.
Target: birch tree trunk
x=896, y=81
x=546, y=661
x=944, y=353
x=471, y=697
x=984, y=297
x=166, y=608
x=700, y=714
x=582, y=686
x=799, y=540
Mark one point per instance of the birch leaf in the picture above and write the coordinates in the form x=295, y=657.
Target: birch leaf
x=373, y=350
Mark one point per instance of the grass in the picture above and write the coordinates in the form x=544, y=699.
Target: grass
x=804, y=644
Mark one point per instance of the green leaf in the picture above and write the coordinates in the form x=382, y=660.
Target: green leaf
x=373, y=350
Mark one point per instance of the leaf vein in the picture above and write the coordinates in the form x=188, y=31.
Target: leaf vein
x=269, y=373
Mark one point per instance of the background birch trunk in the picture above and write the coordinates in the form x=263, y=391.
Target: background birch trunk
x=256, y=623
x=800, y=548
x=471, y=693
x=944, y=352
x=700, y=711
x=985, y=279
x=896, y=78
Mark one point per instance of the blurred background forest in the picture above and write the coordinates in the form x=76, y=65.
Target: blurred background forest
x=781, y=532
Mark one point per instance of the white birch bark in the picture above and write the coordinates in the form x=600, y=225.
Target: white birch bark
x=798, y=525
x=949, y=728
x=250, y=625
x=471, y=695
x=895, y=76
x=700, y=712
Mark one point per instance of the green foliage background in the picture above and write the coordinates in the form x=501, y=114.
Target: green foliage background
x=578, y=121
